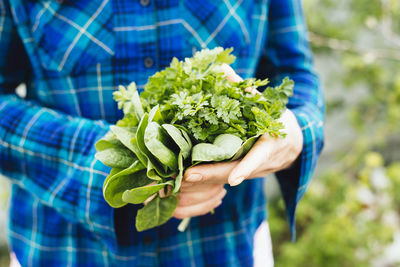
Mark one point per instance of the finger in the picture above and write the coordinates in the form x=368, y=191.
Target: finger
x=189, y=199
x=149, y=199
x=252, y=90
x=231, y=75
x=216, y=173
x=251, y=163
x=261, y=173
x=164, y=192
x=198, y=209
x=195, y=187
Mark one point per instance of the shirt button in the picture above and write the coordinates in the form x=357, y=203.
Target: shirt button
x=148, y=62
x=144, y=3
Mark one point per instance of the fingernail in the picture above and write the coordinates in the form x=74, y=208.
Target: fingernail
x=195, y=177
x=236, y=181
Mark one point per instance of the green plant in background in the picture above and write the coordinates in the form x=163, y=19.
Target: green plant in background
x=4, y=196
x=351, y=212
x=342, y=221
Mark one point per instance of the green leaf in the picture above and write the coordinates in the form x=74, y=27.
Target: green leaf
x=128, y=121
x=137, y=105
x=118, y=157
x=113, y=172
x=125, y=136
x=204, y=58
x=139, y=194
x=187, y=137
x=156, y=212
x=107, y=141
x=135, y=167
x=135, y=147
x=224, y=147
x=154, y=169
x=155, y=115
x=179, y=177
x=226, y=57
x=179, y=139
x=246, y=146
x=114, y=187
x=227, y=109
x=185, y=134
x=152, y=173
x=155, y=142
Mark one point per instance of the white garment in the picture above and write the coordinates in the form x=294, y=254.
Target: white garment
x=262, y=252
x=14, y=261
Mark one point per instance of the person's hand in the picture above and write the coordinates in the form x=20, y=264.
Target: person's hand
x=268, y=155
x=199, y=199
x=202, y=187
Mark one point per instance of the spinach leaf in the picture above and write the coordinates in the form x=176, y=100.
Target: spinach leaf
x=115, y=187
x=113, y=172
x=155, y=115
x=139, y=194
x=179, y=139
x=155, y=141
x=108, y=141
x=156, y=212
x=135, y=167
x=154, y=167
x=125, y=136
x=179, y=177
x=118, y=157
x=187, y=137
x=152, y=163
x=224, y=147
x=135, y=147
x=246, y=146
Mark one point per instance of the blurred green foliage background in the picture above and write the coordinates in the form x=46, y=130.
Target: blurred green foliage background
x=4, y=196
x=350, y=215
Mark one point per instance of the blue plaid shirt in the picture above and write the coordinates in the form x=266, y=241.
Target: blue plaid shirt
x=72, y=55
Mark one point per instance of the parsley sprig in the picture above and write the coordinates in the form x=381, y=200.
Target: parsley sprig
x=196, y=95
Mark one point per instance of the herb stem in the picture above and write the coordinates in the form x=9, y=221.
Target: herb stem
x=184, y=224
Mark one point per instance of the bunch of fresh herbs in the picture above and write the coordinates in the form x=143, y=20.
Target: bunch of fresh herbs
x=187, y=114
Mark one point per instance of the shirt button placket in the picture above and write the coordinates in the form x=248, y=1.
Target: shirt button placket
x=149, y=60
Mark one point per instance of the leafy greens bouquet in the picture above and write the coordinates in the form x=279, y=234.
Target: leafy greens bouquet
x=188, y=113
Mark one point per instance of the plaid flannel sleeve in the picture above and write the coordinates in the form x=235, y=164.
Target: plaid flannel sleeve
x=49, y=154
x=287, y=53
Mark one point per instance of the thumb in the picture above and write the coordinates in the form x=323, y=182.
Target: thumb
x=230, y=73
x=250, y=164
x=232, y=76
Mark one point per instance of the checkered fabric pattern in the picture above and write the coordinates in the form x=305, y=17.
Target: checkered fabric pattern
x=72, y=54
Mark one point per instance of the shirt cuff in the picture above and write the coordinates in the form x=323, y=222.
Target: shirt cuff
x=294, y=180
